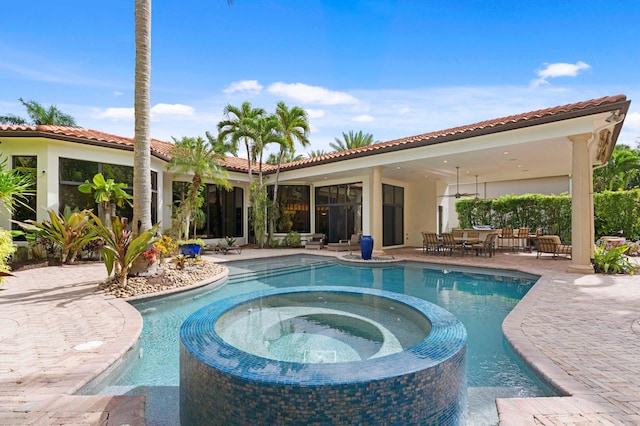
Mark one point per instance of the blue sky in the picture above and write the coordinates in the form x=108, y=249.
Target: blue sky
x=389, y=68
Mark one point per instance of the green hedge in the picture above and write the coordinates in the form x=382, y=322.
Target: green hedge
x=616, y=213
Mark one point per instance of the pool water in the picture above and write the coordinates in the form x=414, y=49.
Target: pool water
x=479, y=298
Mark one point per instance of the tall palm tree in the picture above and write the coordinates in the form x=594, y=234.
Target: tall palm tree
x=195, y=156
x=239, y=126
x=39, y=115
x=293, y=125
x=142, y=113
x=352, y=140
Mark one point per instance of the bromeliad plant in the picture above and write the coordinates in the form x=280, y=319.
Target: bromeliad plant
x=69, y=231
x=120, y=249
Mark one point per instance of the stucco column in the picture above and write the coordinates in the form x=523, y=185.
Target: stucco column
x=376, y=209
x=581, y=206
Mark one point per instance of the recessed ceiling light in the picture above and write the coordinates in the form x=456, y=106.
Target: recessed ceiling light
x=519, y=165
x=445, y=161
x=397, y=167
x=506, y=153
x=426, y=176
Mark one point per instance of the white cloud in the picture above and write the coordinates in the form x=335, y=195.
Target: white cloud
x=245, y=86
x=315, y=113
x=312, y=94
x=159, y=110
x=559, y=69
x=116, y=93
x=172, y=110
x=364, y=118
x=113, y=113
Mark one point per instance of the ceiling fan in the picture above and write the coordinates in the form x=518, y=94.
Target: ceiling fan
x=458, y=194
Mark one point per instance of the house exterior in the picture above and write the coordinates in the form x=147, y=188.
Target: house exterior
x=391, y=190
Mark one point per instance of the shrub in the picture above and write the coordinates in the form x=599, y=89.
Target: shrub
x=197, y=241
x=292, y=239
x=6, y=250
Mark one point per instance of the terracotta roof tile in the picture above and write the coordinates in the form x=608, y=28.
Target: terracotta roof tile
x=161, y=149
x=495, y=125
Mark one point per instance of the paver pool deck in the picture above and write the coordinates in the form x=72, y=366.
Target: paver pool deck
x=581, y=332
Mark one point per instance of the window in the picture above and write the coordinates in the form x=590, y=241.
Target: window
x=74, y=173
x=339, y=210
x=294, y=204
x=26, y=165
x=221, y=213
x=392, y=215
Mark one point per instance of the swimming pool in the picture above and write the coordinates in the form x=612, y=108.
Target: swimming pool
x=479, y=298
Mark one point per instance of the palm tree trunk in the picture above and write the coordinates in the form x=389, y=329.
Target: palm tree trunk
x=142, y=135
x=275, y=210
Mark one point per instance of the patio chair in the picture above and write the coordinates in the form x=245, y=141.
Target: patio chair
x=316, y=243
x=224, y=248
x=430, y=243
x=473, y=237
x=488, y=246
x=346, y=245
x=449, y=243
x=522, y=237
x=507, y=238
x=551, y=244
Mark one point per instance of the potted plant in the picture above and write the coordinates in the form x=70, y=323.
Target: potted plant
x=191, y=247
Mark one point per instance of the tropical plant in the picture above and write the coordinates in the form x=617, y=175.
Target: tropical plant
x=108, y=195
x=197, y=241
x=14, y=187
x=195, y=156
x=39, y=115
x=121, y=248
x=6, y=250
x=292, y=239
x=166, y=245
x=621, y=171
x=315, y=153
x=70, y=231
x=239, y=126
x=610, y=259
x=352, y=140
x=292, y=127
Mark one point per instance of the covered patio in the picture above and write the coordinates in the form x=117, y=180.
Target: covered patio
x=552, y=150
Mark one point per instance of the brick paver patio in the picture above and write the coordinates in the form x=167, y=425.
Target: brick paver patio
x=581, y=332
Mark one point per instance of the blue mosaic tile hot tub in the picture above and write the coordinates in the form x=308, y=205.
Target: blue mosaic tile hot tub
x=397, y=360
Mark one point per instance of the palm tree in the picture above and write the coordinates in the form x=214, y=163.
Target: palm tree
x=221, y=146
x=239, y=126
x=142, y=113
x=195, y=156
x=293, y=125
x=288, y=157
x=352, y=140
x=39, y=115
x=315, y=153
x=621, y=171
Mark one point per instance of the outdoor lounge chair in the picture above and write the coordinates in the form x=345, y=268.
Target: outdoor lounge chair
x=316, y=242
x=224, y=248
x=552, y=245
x=344, y=245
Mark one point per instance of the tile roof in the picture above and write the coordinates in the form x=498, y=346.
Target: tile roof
x=161, y=149
x=495, y=125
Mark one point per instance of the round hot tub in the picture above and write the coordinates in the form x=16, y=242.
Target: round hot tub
x=324, y=355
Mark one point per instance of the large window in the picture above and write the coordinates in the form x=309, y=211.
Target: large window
x=26, y=165
x=220, y=215
x=74, y=173
x=339, y=210
x=295, y=214
x=392, y=215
